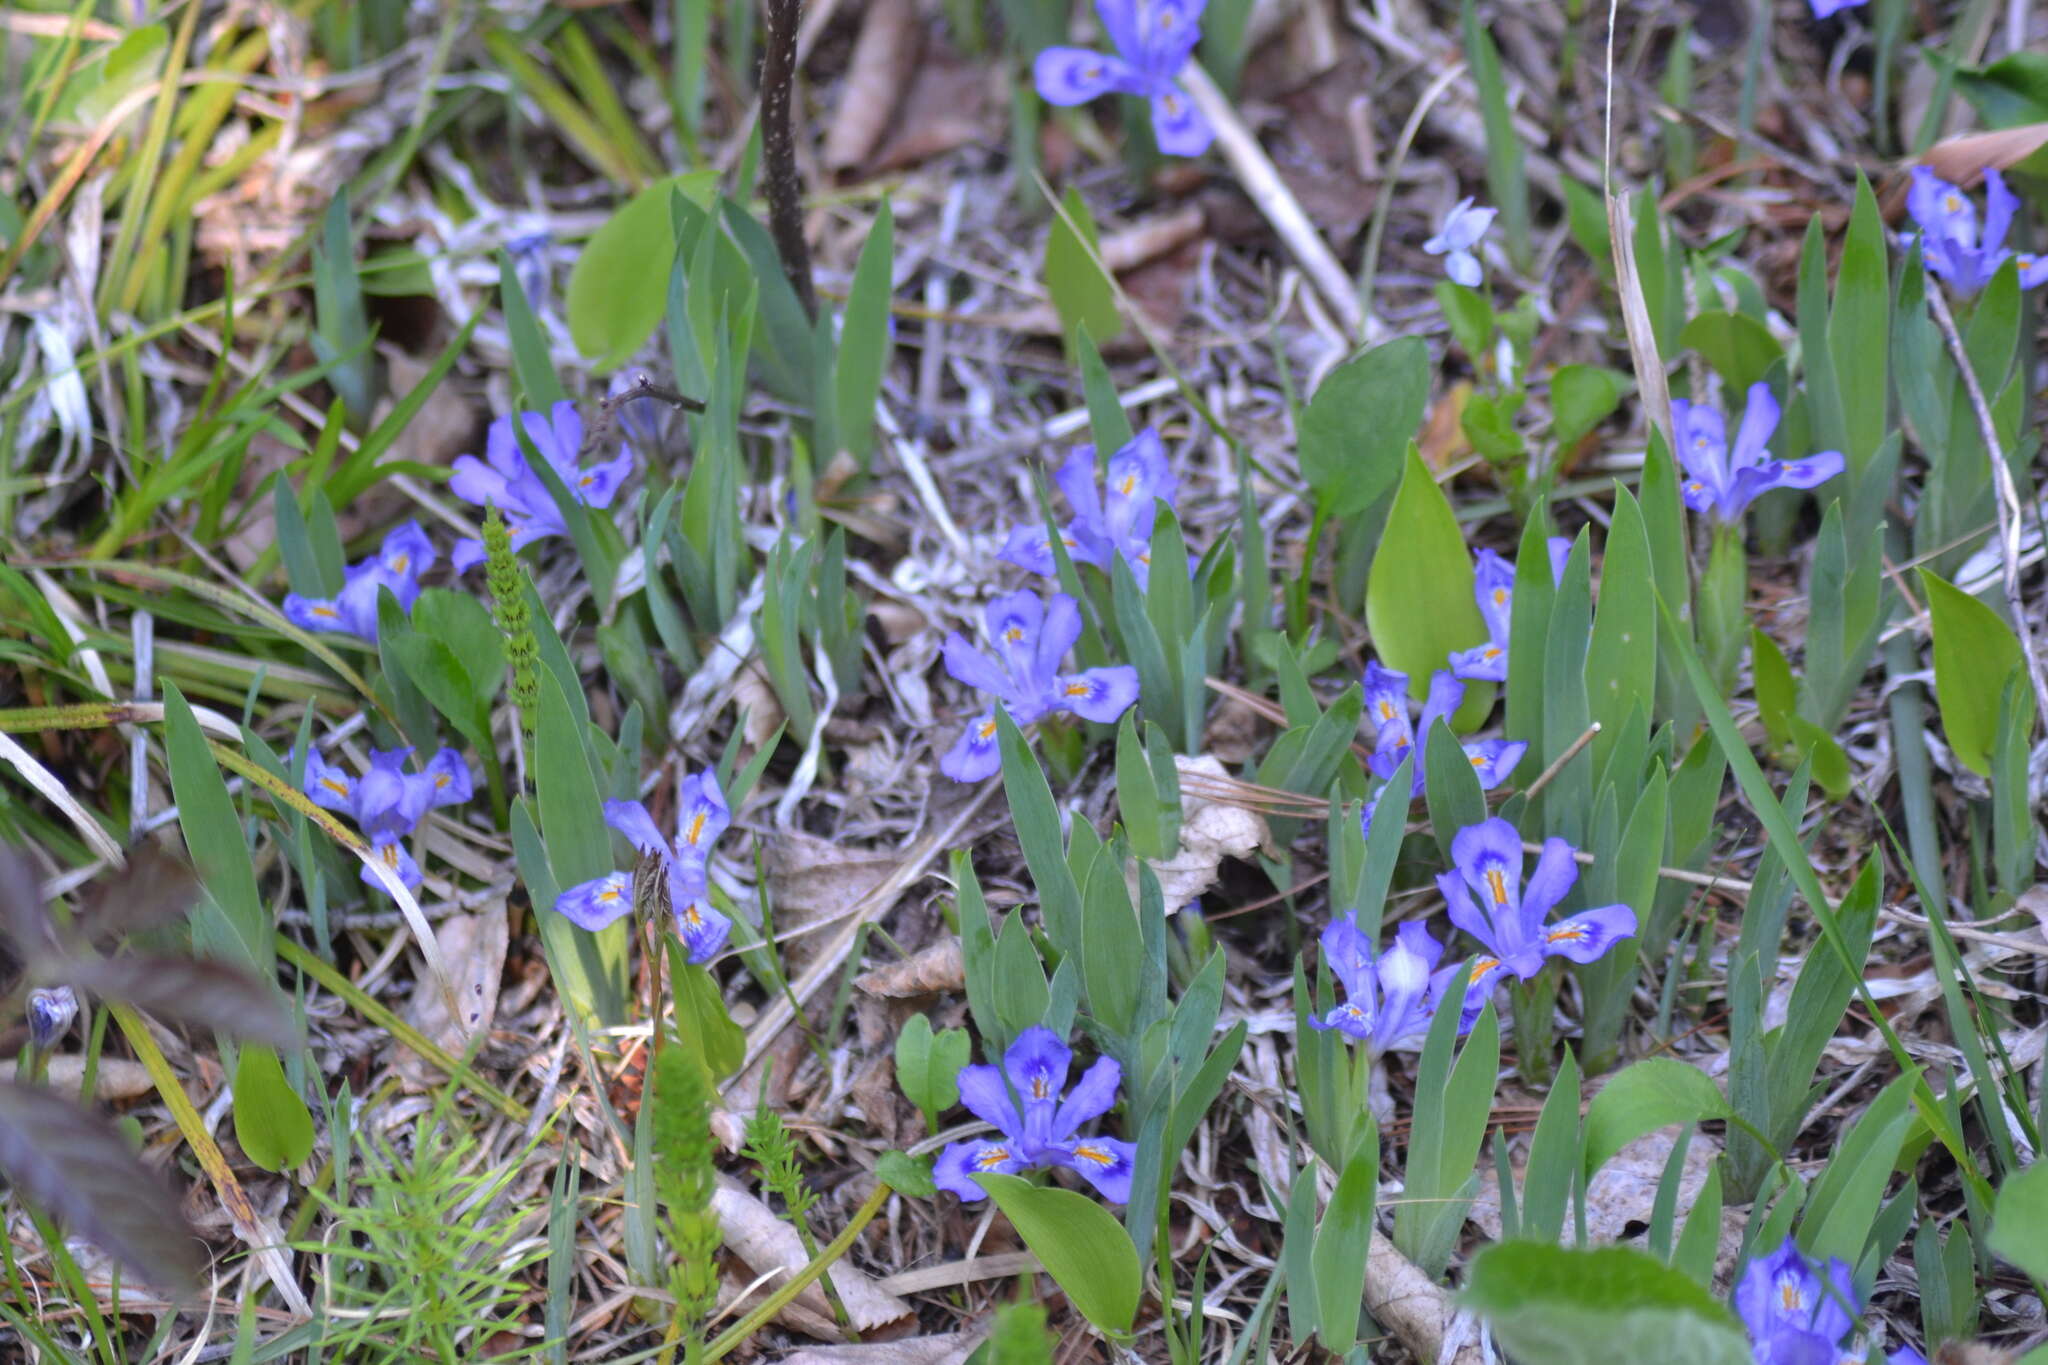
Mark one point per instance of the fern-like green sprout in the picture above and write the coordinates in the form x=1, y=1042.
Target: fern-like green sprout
x=770, y=1144
x=684, y=1177
x=1020, y=1337
x=507, y=578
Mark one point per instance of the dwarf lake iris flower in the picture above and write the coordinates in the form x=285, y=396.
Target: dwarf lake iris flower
x=1795, y=1317
x=1723, y=482
x=387, y=801
x=1036, y=1124
x=1107, y=523
x=1954, y=246
x=1388, y=997
x=1030, y=639
x=1455, y=238
x=1386, y=706
x=397, y=565
x=1507, y=918
x=1154, y=39
x=506, y=480
x=1493, y=587
x=1824, y=8
x=701, y=817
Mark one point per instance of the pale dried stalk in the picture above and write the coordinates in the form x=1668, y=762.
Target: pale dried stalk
x=2008, y=496
x=1261, y=181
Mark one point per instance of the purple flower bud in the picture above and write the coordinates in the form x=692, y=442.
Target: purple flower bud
x=50, y=1012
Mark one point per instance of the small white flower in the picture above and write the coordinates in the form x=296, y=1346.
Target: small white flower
x=1462, y=228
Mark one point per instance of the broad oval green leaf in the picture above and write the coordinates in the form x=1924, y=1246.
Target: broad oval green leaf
x=616, y=296
x=1652, y=1094
x=1740, y=348
x=1581, y=398
x=271, y=1122
x=2019, y=1226
x=1565, y=1306
x=1081, y=293
x=1975, y=651
x=1359, y=422
x=1418, y=601
x=1080, y=1244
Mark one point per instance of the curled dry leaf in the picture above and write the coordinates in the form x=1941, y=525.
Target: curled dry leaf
x=883, y=59
x=1210, y=831
x=473, y=947
x=1412, y=1306
x=1624, y=1191
x=1960, y=160
x=766, y=1243
x=754, y=697
x=79, y=1169
x=929, y=971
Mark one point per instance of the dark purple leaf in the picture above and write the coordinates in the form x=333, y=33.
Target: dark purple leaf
x=24, y=925
x=201, y=994
x=77, y=1168
x=155, y=888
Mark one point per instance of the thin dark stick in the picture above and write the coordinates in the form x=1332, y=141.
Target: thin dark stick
x=778, y=151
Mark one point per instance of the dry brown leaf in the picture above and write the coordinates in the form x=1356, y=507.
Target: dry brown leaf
x=814, y=879
x=754, y=697
x=1209, y=832
x=1960, y=160
x=1150, y=238
x=1623, y=1192
x=1443, y=441
x=946, y=107
x=949, y=1349
x=765, y=1242
x=473, y=947
x=928, y=971
x=883, y=59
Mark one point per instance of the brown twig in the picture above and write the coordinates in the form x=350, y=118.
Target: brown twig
x=781, y=182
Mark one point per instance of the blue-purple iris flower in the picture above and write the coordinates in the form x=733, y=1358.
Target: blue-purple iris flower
x=1508, y=918
x=1493, y=588
x=1036, y=1125
x=1388, y=998
x=702, y=816
x=1107, y=523
x=1386, y=706
x=1724, y=482
x=1030, y=639
x=387, y=801
x=397, y=565
x=1455, y=239
x=505, y=480
x=1154, y=39
x=1822, y=9
x=1953, y=244
x=1794, y=1317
